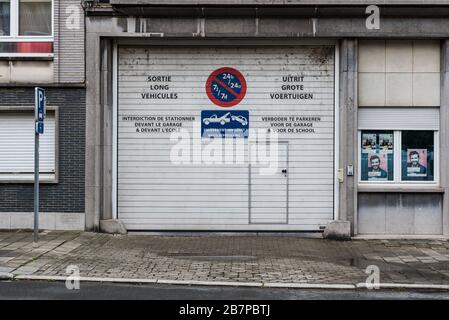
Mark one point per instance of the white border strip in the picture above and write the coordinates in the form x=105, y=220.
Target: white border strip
x=336, y=131
x=241, y=284
x=114, y=129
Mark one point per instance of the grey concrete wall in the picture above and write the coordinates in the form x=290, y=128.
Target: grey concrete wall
x=400, y=213
x=99, y=104
x=266, y=27
x=107, y=116
x=278, y=2
x=348, y=130
x=94, y=165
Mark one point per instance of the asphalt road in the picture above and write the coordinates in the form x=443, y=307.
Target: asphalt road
x=105, y=291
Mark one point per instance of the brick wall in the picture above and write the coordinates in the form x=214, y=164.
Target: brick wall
x=68, y=194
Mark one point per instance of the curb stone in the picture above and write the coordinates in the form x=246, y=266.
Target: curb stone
x=239, y=284
x=6, y=276
x=404, y=286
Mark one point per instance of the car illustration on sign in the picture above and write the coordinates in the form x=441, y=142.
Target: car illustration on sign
x=215, y=119
x=240, y=119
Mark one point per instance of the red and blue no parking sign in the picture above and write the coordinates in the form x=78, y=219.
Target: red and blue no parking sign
x=226, y=87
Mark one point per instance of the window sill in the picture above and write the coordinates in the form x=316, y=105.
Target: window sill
x=400, y=189
x=26, y=56
x=27, y=178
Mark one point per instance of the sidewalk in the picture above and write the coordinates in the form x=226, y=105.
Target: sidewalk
x=223, y=259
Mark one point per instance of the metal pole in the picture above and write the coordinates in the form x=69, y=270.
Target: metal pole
x=36, y=185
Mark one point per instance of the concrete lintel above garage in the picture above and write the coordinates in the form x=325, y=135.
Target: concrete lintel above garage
x=262, y=9
x=276, y=2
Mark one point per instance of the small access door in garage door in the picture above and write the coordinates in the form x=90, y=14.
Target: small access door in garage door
x=175, y=105
x=269, y=190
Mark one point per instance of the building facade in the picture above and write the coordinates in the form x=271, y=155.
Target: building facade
x=254, y=116
x=359, y=111
x=42, y=44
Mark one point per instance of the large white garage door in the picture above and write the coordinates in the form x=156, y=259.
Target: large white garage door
x=225, y=138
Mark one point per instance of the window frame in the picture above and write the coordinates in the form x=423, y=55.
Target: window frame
x=49, y=178
x=397, y=162
x=15, y=37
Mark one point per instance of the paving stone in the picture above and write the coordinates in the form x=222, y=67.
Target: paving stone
x=229, y=258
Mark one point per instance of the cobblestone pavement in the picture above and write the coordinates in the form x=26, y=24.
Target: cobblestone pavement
x=225, y=258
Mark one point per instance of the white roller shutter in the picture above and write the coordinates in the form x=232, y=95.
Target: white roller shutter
x=17, y=143
x=155, y=194
x=399, y=119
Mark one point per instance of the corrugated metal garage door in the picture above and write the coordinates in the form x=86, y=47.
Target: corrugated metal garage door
x=163, y=90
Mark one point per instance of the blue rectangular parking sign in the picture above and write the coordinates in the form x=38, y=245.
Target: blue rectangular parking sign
x=224, y=124
x=39, y=110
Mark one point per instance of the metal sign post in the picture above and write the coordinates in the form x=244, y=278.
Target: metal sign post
x=39, y=115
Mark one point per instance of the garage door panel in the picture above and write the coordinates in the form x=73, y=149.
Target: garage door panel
x=260, y=102
x=159, y=150
x=221, y=175
x=138, y=225
x=198, y=74
x=133, y=144
x=238, y=198
x=153, y=211
x=195, y=221
x=233, y=170
x=261, y=93
x=185, y=183
x=294, y=190
x=205, y=215
x=155, y=193
x=163, y=164
x=161, y=157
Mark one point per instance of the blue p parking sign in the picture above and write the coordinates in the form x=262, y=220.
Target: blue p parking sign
x=39, y=110
x=39, y=117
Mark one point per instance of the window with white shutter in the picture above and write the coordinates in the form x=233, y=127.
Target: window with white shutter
x=17, y=147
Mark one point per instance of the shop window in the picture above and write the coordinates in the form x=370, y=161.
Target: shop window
x=377, y=156
x=397, y=156
x=26, y=27
x=417, y=156
x=17, y=145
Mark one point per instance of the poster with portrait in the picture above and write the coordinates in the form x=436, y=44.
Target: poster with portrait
x=386, y=142
x=368, y=142
x=416, y=162
x=377, y=166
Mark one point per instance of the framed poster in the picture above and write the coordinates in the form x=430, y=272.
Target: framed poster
x=416, y=162
x=386, y=142
x=377, y=166
x=369, y=142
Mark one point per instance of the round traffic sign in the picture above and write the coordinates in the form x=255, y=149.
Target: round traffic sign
x=226, y=87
